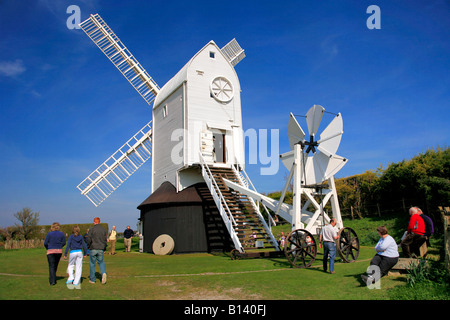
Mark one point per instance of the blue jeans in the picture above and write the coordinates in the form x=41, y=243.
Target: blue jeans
x=329, y=248
x=96, y=256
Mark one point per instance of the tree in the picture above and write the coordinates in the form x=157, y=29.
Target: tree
x=28, y=221
x=356, y=192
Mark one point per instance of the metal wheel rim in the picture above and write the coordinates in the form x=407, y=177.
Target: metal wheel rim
x=348, y=245
x=300, y=248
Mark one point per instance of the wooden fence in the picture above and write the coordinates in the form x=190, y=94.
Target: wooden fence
x=24, y=244
x=445, y=211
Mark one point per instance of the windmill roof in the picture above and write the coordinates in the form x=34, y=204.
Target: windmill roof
x=177, y=80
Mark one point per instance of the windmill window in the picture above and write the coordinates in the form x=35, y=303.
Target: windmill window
x=164, y=111
x=212, y=54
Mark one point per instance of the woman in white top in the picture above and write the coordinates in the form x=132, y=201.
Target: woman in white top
x=386, y=257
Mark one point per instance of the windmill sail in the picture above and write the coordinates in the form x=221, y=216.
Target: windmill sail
x=102, y=35
x=233, y=51
x=295, y=132
x=121, y=165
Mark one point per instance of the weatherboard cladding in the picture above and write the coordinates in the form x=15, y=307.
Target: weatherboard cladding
x=190, y=106
x=163, y=166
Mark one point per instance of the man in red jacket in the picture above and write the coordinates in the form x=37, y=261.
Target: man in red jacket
x=415, y=233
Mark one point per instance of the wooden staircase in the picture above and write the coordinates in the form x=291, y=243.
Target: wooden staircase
x=249, y=229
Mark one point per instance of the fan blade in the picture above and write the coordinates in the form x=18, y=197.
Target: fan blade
x=334, y=165
x=313, y=118
x=321, y=167
x=288, y=159
x=295, y=132
x=315, y=168
x=119, y=167
x=330, y=138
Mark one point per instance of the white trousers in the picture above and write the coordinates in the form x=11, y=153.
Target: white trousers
x=75, y=262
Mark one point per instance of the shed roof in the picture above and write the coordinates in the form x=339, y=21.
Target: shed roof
x=167, y=193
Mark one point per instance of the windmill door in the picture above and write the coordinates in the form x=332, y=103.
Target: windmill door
x=219, y=147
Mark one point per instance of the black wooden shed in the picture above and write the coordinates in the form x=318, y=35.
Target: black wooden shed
x=190, y=217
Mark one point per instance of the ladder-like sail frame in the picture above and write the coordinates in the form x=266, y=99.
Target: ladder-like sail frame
x=233, y=52
x=107, y=41
x=118, y=167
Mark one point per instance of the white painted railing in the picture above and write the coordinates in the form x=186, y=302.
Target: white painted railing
x=221, y=204
x=245, y=181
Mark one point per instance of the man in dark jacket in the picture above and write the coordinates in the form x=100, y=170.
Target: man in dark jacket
x=127, y=236
x=429, y=226
x=96, y=241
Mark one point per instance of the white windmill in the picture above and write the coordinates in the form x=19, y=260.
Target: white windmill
x=195, y=135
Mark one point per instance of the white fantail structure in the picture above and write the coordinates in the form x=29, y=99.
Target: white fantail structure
x=312, y=164
x=313, y=161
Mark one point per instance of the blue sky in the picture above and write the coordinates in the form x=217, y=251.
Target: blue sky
x=65, y=108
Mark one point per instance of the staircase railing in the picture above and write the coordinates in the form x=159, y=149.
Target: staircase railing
x=221, y=203
x=245, y=181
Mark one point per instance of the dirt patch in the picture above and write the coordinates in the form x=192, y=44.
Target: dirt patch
x=183, y=291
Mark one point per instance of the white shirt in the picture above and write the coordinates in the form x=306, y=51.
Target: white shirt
x=387, y=247
x=112, y=236
x=329, y=233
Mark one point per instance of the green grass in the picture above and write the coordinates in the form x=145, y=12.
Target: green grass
x=24, y=275
x=134, y=275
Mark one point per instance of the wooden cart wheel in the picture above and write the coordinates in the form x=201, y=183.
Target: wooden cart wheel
x=348, y=245
x=300, y=248
x=235, y=254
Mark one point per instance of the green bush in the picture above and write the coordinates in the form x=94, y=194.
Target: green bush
x=427, y=280
x=66, y=229
x=418, y=272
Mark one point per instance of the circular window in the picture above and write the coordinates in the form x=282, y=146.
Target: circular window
x=222, y=89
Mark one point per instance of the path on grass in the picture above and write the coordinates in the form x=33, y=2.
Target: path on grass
x=180, y=274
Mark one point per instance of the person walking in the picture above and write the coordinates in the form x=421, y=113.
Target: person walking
x=54, y=242
x=385, y=258
x=112, y=240
x=96, y=241
x=127, y=236
x=77, y=246
x=327, y=237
